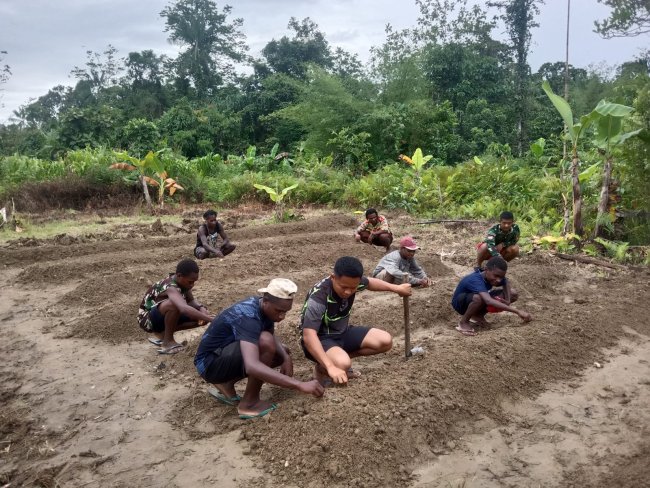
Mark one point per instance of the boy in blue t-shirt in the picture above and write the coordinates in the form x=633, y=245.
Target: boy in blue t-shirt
x=240, y=343
x=474, y=296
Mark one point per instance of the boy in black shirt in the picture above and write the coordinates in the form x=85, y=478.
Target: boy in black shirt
x=327, y=337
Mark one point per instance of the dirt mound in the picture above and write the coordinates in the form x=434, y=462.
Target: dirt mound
x=401, y=413
x=73, y=193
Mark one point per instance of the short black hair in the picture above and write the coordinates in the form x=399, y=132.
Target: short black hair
x=506, y=216
x=370, y=211
x=186, y=267
x=348, y=266
x=497, y=262
x=209, y=213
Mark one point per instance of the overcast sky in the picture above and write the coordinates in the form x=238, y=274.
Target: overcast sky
x=45, y=39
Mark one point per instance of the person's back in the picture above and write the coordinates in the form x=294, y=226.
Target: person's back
x=221, y=332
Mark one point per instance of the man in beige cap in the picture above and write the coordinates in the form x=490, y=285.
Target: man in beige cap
x=401, y=267
x=240, y=343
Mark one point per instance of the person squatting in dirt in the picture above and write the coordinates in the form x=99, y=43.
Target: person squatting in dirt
x=501, y=240
x=207, y=237
x=474, y=296
x=169, y=306
x=327, y=337
x=400, y=266
x=374, y=230
x=240, y=343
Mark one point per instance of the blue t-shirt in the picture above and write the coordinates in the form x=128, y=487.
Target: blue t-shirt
x=243, y=321
x=472, y=283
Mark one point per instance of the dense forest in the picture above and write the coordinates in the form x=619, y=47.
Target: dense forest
x=307, y=114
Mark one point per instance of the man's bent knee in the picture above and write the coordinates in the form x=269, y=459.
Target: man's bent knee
x=167, y=307
x=477, y=298
x=339, y=357
x=513, y=296
x=267, y=347
x=379, y=340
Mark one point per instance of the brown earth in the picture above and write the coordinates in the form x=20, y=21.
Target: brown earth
x=86, y=399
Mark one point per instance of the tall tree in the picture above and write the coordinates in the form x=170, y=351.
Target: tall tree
x=519, y=17
x=144, y=84
x=5, y=72
x=291, y=55
x=444, y=21
x=212, y=43
x=628, y=18
x=101, y=69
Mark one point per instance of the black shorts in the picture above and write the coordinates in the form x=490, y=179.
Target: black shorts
x=158, y=320
x=464, y=300
x=350, y=341
x=225, y=364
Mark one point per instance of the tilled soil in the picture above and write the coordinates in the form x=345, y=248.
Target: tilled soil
x=71, y=307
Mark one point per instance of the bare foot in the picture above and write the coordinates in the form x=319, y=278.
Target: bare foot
x=173, y=344
x=255, y=409
x=480, y=321
x=227, y=389
x=465, y=328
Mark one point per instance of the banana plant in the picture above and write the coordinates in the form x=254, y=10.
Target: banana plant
x=151, y=162
x=609, y=135
x=574, y=131
x=417, y=161
x=277, y=197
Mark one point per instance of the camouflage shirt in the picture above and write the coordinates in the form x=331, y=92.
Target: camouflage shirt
x=495, y=237
x=380, y=226
x=156, y=294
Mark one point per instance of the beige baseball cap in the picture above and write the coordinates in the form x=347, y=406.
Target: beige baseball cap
x=280, y=288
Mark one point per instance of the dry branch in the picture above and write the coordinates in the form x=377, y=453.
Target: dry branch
x=588, y=260
x=438, y=221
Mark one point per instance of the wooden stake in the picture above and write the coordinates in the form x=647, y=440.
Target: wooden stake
x=407, y=330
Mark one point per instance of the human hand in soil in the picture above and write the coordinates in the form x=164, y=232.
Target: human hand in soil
x=312, y=387
x=339, y=376
x=219, y=254
x=357, y=237
x=404, y=290
x=525, y=316
x=425, y=282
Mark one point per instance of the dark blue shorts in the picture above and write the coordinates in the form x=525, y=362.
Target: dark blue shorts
x=158, y=320
x=224, y=364
x=464, y=300
x=350, y=340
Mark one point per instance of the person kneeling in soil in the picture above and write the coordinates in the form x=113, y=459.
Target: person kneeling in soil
x=374, y=230
x=240, y=343
x=169, y=306
x=400, y=266
x=327, y=338
x=207, y=236
x=474, y=296
x=501, y=240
